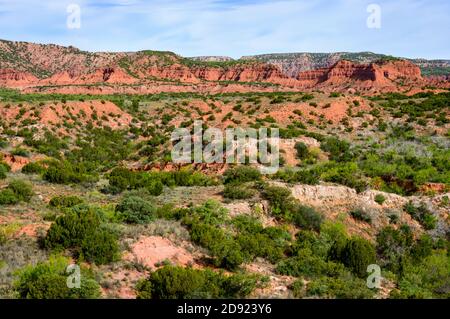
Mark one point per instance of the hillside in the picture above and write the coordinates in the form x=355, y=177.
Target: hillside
x=88, y=177
x=37, y=68
x=293, y=63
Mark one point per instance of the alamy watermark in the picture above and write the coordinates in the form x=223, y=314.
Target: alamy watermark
x=374, y=19
x=74, y=17
x=234, y=146
x=74, y=278
x=374, y=279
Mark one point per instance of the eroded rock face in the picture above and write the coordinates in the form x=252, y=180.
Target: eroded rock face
x=67, y=70
x=336, y=202
x=376, y=74
x=14, y=78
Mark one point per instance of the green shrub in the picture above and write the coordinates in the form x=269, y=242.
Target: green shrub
x=100, y=247
x=302, y=150
x=343, y=287
x=307, y=263
x=427, y=279
x=48, y=280
x=347, y=174
x=422, y=214
x=67, y=173
x=172, y=282
x=256, y=241
x=306, y=217
x=80, y=228
x=339, y=150
x=33, y=168
x=135, y=210
x=357, y=254
x=20, y=152
x=280, y=199
x=7, y=197
x=362, y=215
x=298, y=288
x=422, y=248
x=65, y=201
x=70, y=229
x=393, y=247
x=380, y=199
x=22, y=190
x=237, y=191
x=16, y=192
x=121, y=179
x=241, y=174
x=3, y=171
x=223, y=248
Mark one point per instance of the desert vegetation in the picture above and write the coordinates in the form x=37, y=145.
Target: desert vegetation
x=364, y=180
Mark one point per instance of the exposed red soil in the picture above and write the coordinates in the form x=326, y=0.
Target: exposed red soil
x=71, y=71
x=58, y=112
x=153, y=250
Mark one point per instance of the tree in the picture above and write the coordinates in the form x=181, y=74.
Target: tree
x=70, y=229
x=302, y=150
x=48, y=280
x=135, y=210
x=171, y=282
x=307, y=218
x=100, y=247
x=357, y=254
x=241, y=174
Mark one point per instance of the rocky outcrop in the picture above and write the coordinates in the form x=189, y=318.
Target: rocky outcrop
x=378, y=74
x=14, y=78
x=54, y=69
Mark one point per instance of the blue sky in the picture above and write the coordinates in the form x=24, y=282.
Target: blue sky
x=409, y=28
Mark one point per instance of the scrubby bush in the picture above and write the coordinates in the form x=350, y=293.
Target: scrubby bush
x=70, y=229
x=256, y=241
x=135, y=210
x=16, y=192
x=22, y=190
x=225, y=250
x=302, y=150
x=20, y=152
x=237, y=191
x=339, y=150
x=241, y=174
x=347, y=174
x=172, y=282
x=280, y=199
x=357, y=254
x=121, y=179
x=307, y=218
x=48, y=280
x=343, y=287
x=100, y=247
x=422, y=214
x=307, y=263
x=81, y=228
x=67, y=173
x=362, y=215
x=33, y=168
x=427, y=279
x=7, y=197
x=304, y=176
x=393, y=246
x=380, y=199
x=65, y=201
x=298, y=288
x=3, y=171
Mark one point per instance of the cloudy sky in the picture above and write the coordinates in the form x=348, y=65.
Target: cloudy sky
x=408, y=28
